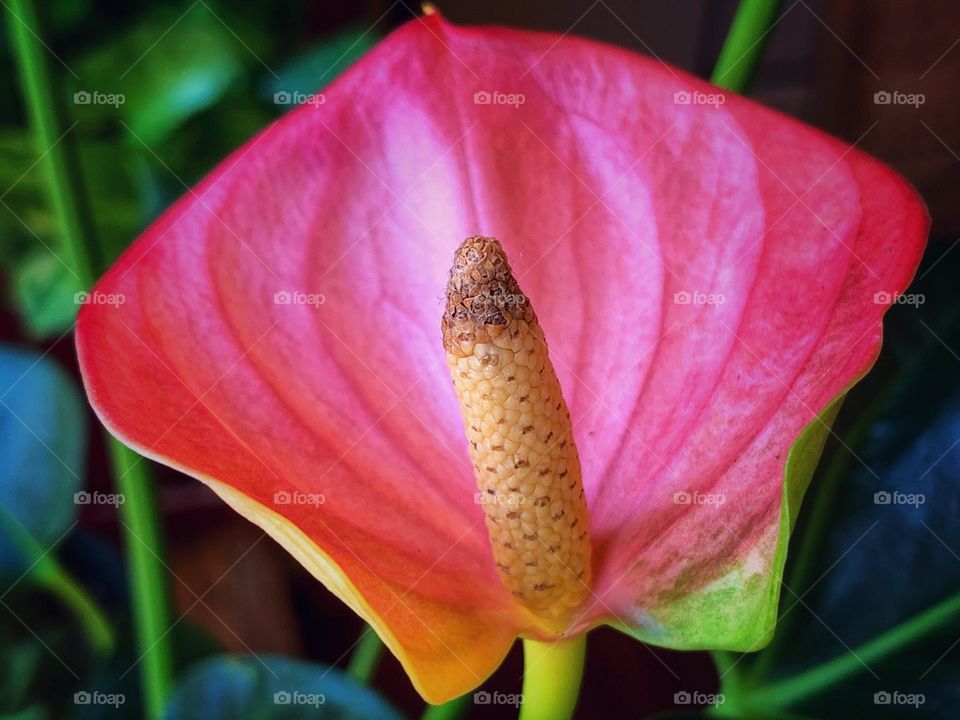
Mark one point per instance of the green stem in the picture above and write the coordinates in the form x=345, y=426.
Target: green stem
x=745, y=43
x=148, y=587
x=731, y=677
x=74, y=596
x=47, y=572
x=45, y=109
x=551, y=678
x=787, y=692
x=453, y=710
x=365, y=659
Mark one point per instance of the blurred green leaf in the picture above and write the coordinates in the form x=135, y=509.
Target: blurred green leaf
x=170, y=66
x=318, y=66
x=32, y=713
x=275, y=687
x=21, y=661
x=39, y=653
x=110, y=180
x=44, y=291
x=23, y=213
x=42, y=287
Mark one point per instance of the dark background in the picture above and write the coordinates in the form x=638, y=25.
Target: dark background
x=824, y=63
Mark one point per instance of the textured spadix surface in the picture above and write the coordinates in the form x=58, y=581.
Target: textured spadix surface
x=709, y=276
x=520, y=435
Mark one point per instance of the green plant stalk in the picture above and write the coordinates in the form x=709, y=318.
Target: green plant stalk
x=735, y=67
x=745, y=43
x=453, y=710
x=802, y=685
x=551, y=679
x=46, y=571
x=59, y=163
x=366, y=657
x=149, y=593
x=729, y=669
x=73, y=595
x=148, y=586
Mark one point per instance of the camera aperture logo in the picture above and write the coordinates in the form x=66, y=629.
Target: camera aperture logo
x=482, y=697
x=495, y=97
x=295, y=497
x=896, y=497
x=297, y=297
x=685, y=97
x=85, y=97
x=99, y=298
x=287, y=97
x=95, y=697
x=895, y=97
x=295, y=697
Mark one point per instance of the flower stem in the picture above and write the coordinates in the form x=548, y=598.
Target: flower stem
x=46, y=571
x=452, y=710
x=744, y=45
x=47, y=118
x=791, y=690
x=551, y=678
x=365, y=659
x=81, y=255
x=88, y=612
x=148, y=588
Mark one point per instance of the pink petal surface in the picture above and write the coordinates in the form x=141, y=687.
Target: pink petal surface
x=610, y=198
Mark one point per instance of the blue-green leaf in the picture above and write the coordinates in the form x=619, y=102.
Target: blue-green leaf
x=43, y=431
x=275, y=687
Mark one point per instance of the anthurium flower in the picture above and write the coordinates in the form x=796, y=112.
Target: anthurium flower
x=709, y=276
